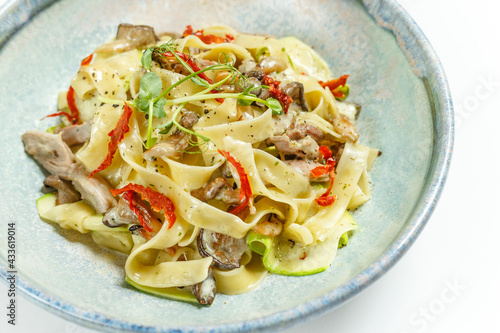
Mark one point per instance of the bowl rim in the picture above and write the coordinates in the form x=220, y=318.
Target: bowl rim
x=443, y=121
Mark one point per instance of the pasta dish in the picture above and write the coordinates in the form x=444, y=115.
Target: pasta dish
x=211, y=158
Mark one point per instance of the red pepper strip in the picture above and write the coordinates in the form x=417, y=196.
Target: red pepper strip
x=60, y=113
x=188, y=31
x=334, y=84
x=116, y=135
x=321, y=170
x=70, y=98
x=87, y=60
x=208, y=39
x=157, y=200
x=325, y=152
x=191, y=63
x=245, y=191
x=326, y=199
x=274, y=89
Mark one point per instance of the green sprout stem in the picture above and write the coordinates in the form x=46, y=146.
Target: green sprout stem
x=149, y=142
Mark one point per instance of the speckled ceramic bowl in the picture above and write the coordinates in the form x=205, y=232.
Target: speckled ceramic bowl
x=407, y=113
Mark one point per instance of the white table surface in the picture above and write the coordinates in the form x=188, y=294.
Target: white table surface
x=449, y=280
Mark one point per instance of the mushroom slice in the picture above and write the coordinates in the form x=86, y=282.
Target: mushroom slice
x=76, y=134
x=129, y=37
x=296, y=91
x=66, y=193
x=225, y=250
x=50, y=151
x=205, y=290
x=119, y=215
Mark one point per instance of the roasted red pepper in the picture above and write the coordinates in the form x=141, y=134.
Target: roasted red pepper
x=116, y=135
x=208, y=39
x=158, y=202
x=325, y=152
x=188, y=31
x=334, y=84
x=74, y=115
x=326, y=199
x=245, y=190
x=191, y=63
x=276, y=92
x=321, y=170
x=70, y=98
x=87, y=60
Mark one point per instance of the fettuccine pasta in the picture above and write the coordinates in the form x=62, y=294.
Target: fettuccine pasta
x=211, y=159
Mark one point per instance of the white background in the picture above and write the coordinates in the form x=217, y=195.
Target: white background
x=449, y=281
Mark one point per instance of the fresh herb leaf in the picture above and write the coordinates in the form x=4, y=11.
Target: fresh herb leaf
x=274, y=105
x=158, y=110
x=150, y=86
x=142, y=104
x=146, y=58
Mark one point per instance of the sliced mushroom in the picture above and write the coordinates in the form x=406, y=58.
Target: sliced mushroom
x=205, y=291
x=129, y=37
x=225, y=170
x=50, y=151
x=301, y=130
x=188, y=119
x=304, y=148
x=94, y=190
x=256, y=73
x=296, y=91
x=218, y=189
x=76, y=134
x=170, y=64
x=209, y=191
x=66, y=193
x=176, y=143
x=119, y=215
x=225, y=250
x=254, y=83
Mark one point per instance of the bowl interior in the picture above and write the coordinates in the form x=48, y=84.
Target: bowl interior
x=39, y=61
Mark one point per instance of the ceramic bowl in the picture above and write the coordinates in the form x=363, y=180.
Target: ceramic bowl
x=407, y=114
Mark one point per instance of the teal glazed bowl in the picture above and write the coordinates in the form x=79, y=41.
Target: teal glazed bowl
x=407, y=114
